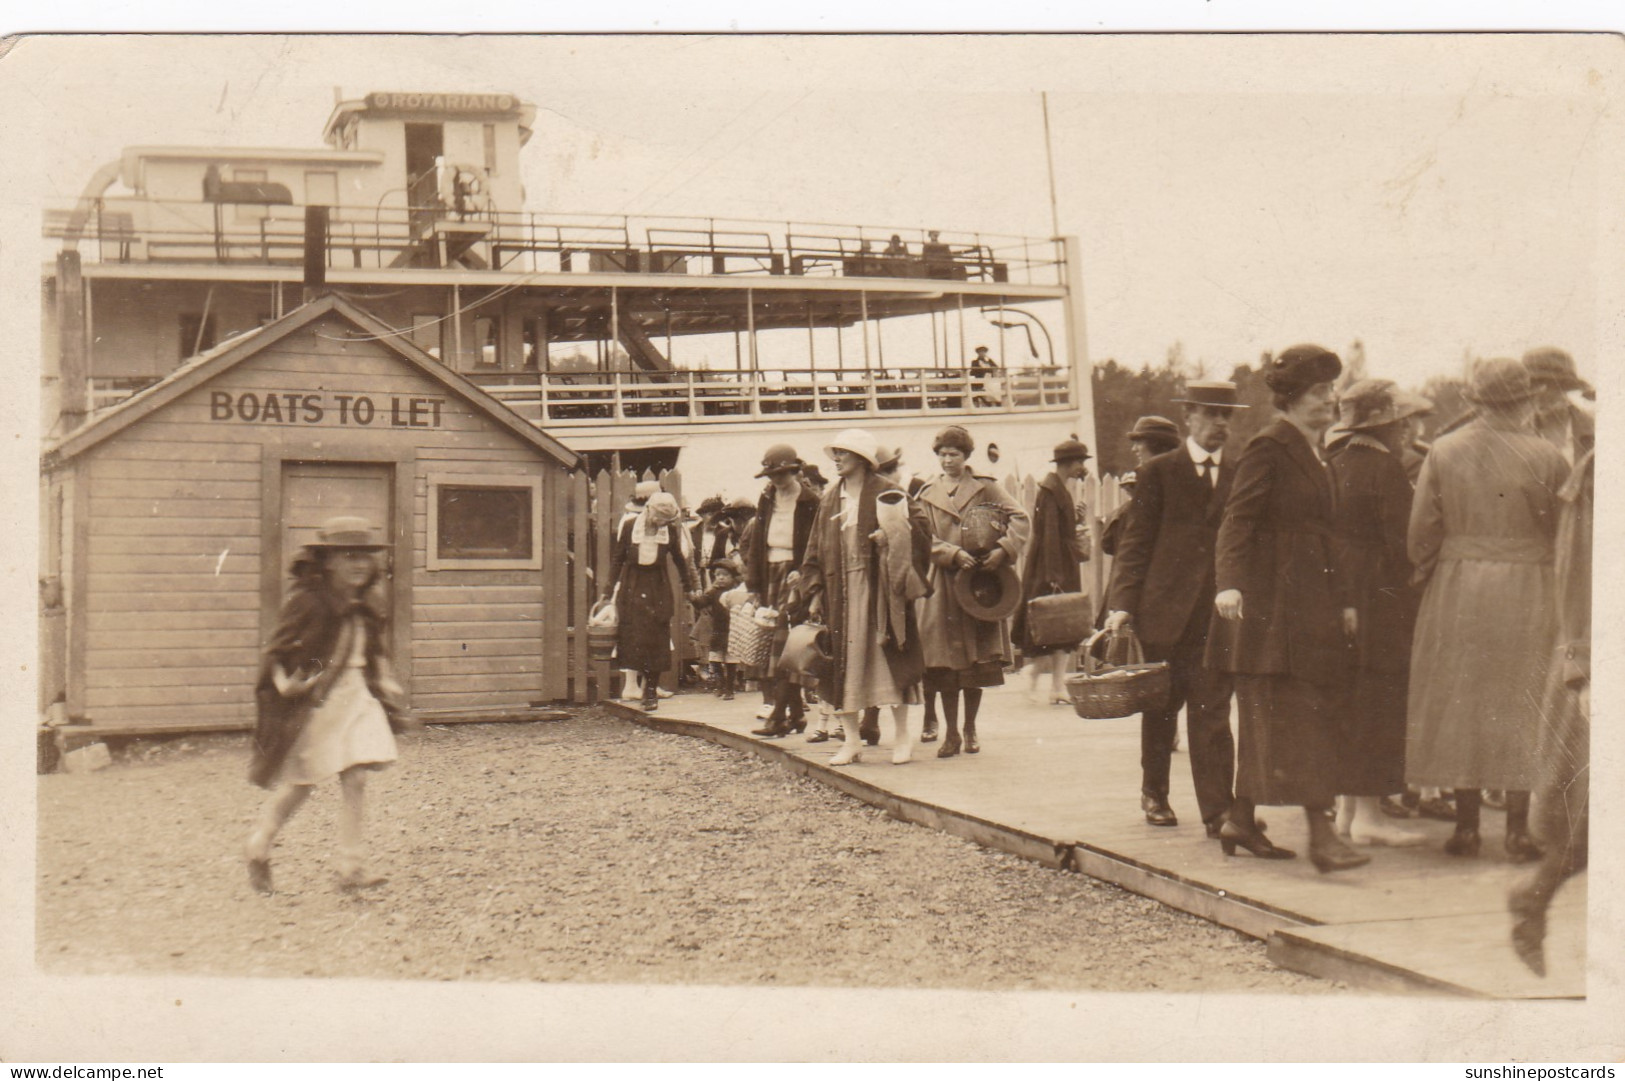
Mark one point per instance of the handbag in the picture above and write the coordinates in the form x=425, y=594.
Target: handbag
x=1059, y=619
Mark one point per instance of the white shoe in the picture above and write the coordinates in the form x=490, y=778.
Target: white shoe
x=765, y=712
x=1344, y=820
x=846, y=756
x=661, y=692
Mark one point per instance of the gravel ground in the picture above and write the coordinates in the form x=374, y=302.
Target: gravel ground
x=585, y=850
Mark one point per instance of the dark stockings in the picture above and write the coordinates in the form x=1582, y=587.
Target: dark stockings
x=973, y=705
x=1468, y=803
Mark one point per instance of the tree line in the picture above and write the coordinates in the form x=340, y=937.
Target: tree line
x=1123, y=394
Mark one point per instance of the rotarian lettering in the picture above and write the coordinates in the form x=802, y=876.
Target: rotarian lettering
x=297, y=407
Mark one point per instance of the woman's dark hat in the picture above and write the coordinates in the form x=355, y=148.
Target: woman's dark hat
x=1070, y=451
x=1501, y=381
x=956, y=437
x=1553, y=367
x=1158, y=430
x=1301, y=367
x=988, y=595
x=780, y=458
x=711, y=504
x=348, y=532
x=1220, y=394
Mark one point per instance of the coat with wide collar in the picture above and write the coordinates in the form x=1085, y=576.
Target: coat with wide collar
x=313, y=634
x=756, y=538
x=823, y=578
x=953, y=638
x=1053, y=554
x=1163, y=571
x=1276, y=546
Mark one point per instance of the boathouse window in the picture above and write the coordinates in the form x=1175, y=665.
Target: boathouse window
x=490, y=150
x=485, y=523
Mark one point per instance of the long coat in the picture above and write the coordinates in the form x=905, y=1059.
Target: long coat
x=1563, y=741
x=1163, y=572
x=1276, y=547
x=1373, y=512
x=954, y=638
x=1052, y=557
x=644, y=600
x=823, y=577
x=1481, y=533
x=312, y=635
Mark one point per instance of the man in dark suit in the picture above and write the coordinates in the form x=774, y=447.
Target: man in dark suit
x=1163, y=585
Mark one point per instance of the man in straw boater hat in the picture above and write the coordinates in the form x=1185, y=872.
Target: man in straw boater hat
x=1056, y=547
x=327, y=696
x=865, y=567
x=774, y=547
x=1162, y=587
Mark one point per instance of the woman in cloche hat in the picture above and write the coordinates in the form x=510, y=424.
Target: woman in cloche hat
x=1481, y=532
x=1283, y=629
x=327, y=696
x=966, y=651
x=865, y=567
x=1057, y=547
x=1373, y=500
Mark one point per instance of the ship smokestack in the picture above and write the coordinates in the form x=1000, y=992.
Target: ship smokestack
x=73, y=350
x=315, y=252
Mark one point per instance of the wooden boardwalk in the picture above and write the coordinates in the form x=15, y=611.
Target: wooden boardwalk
x=1065, y=792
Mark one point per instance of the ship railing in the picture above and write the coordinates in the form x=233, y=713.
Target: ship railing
x=722, y=396
x=127, y=229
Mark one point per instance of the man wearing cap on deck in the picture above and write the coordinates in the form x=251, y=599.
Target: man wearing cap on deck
x=1162, y=587
x=775, y=546
x=1558, y=419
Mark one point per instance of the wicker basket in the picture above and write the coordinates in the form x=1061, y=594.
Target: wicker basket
x=1060, y=619
x=603, y=629
x=749, y=641
x=1102, y=691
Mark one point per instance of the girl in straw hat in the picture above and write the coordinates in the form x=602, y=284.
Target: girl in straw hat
x=327, y=695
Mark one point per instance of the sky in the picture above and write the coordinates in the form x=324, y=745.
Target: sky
x=1434, y=196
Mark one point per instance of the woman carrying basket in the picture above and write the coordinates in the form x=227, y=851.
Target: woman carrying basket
x=976, y=527
x=642, y=587
x=1058, y=546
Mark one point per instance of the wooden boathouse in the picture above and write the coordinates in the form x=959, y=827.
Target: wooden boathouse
x=170, y=522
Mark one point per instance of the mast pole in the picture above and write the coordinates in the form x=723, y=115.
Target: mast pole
x=1049, y=158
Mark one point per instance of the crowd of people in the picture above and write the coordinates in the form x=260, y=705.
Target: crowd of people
x=1382, y=613
x=1400, y=626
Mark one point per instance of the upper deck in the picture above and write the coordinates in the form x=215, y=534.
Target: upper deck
x=147, y=237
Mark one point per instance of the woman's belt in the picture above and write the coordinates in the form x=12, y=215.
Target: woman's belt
x=1495, y=549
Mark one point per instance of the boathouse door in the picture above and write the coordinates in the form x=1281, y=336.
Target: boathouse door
x=313, y=492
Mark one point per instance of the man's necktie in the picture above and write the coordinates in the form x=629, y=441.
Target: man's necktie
x=1207, y=471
